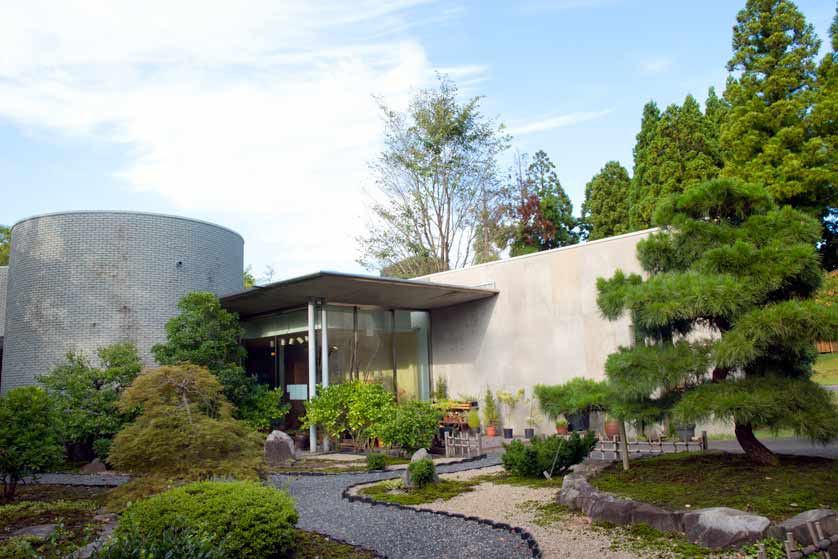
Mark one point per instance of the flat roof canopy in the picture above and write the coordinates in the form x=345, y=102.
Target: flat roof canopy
x=351, y=289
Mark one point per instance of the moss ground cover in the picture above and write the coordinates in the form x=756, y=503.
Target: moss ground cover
x=389, y=491
x=314, y=546
x=506, y=478
x=717, y=479
x=826, y=369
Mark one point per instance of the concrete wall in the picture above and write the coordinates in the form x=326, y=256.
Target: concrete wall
x=544, y=327
x=83, y=280
x=4, y=278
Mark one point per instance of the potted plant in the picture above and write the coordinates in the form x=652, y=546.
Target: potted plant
x=473, y=420
x=533, y=419
x=611, y=427
x=509, y=401
x=490, y=413
x=561, y=426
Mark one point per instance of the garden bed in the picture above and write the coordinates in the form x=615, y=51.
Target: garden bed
x=690, y=481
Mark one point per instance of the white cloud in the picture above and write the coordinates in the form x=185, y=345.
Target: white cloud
x=263, y=109
x=557, y=121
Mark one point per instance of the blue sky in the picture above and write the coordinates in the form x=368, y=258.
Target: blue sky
x=259, y=115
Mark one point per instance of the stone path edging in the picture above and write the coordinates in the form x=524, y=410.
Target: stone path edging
x=524, y=534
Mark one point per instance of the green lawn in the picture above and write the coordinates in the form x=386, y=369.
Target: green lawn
x=826, y=369
x=389, y=491
x=718, y=479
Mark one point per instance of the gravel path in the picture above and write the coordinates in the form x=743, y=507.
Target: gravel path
x=397, y=533
x=91, y=480
x=559, y=537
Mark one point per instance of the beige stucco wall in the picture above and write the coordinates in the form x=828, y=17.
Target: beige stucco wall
x=543, y=327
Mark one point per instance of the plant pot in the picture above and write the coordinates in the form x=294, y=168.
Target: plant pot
x=491, y=431
x=529, y=433
x=507, y=433
x=612, y=429
x=580, y=421
x=685, y=432
x=561, y=429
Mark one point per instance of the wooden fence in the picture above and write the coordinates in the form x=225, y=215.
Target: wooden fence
x=463, y=445
x=818, y=548
x=827, y=347
x=608, y=449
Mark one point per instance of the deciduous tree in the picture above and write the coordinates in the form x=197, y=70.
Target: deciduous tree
x=5, y=242
x=437, y=167
x=725, y=323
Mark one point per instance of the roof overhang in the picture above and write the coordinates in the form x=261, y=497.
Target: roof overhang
x=351, y=289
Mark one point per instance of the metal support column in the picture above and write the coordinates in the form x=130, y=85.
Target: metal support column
x=324, y=357
x=312, y=370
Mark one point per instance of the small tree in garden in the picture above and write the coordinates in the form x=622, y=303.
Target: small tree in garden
x=726, y=321
x=356, y=408
x=87, y=397
x=30, y=439
x=186, y=429
x=412, y=426
x=578, y=395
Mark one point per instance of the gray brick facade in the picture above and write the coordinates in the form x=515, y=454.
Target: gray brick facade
x=4, y=277
x=82, y=280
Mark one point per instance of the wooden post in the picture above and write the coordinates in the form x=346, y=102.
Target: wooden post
x=624, y=449
x=704, y=440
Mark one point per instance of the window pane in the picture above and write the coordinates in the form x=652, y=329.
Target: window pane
x=412, y=374
x=375, y=347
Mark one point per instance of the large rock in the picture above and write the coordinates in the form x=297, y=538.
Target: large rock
x=724, y=527
x=95, y=467
x=40, y=531
x=418, y=456
x=279, y=448
x=828, y=519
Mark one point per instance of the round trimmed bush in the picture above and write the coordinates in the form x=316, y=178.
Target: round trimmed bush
x=422, y=472
x=376, y=461
x=246, y=519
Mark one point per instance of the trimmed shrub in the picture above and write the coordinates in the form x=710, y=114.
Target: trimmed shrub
x=376, y=461
x=173, y=542
x=246, y=519
x=543, y=452
x=422, y=472
x=412, y=426
x=186, y=429
x=29, y=436
x=575, y=396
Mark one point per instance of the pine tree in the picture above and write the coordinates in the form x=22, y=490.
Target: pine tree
x=542, y=213
x=726, y=323
x=648, y=130
x=683, y=151
x=763, y=137
x=605, y=211
x=821, y=149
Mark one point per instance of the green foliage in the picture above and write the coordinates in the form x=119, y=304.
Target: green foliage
x=442, y=490
x=266, y=409
x=186, y=429
x=725, y=323
x=412, y=426
x=441, y=389
x=33, y=511
x=437, y=182
x=249, y=280
x=101, y=448
x=205, y=334
x=576, y=395
x=540, y=210
x=473, y=420
x=376, y=461
x=552, y=454
x=605, y=212
x=422, y=472
x=490, y=409
x=182, y=543
x=87, y=396
x=357, y=408
x=681, y=150
x=246, y=519
x=29, y=436
x=5, y=244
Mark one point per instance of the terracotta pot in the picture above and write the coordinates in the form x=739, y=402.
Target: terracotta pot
x=491, y=431
x=561, y=429
x=612, y=428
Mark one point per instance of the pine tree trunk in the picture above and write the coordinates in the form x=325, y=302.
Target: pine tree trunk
x=754, y=449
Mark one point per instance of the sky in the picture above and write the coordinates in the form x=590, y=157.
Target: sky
x=261, y=115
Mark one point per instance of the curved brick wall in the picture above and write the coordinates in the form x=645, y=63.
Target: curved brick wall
x=83, y=280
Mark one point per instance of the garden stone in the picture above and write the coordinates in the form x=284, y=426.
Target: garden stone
x=94, y=467
x=828, y=519
x=40, y=531
x=279, y=448
x=420, y=454
x=723, y=527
